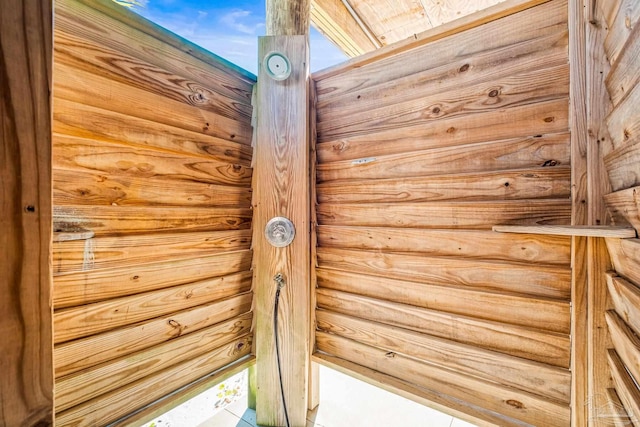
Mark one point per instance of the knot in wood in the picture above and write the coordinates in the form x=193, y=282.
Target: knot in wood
x=515, y=403
x=390, y=355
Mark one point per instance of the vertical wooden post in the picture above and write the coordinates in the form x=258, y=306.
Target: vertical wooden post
x=281, y=188
x=26, y=380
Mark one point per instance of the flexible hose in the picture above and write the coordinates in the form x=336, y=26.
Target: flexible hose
x=275, y=332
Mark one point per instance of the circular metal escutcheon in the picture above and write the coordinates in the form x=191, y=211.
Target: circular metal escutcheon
x=277, y=66
x=280, y=231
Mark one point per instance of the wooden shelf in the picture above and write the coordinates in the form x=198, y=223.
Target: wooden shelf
x=569, y=230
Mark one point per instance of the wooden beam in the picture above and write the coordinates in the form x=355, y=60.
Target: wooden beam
x=26, y=382
x=288, y=17
x=281, y=188
x=569, y=230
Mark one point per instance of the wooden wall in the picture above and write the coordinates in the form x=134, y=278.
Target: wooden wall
x=152, y=157
x=419, y=154
x=622, y=161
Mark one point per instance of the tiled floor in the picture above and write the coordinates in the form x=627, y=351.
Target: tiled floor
x=347, y=402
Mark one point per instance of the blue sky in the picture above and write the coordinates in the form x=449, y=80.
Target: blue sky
x=229, y=29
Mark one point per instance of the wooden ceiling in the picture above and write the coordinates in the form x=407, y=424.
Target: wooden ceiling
x=360, y=26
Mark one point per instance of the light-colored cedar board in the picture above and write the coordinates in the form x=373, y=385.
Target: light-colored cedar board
x=83, y=87
x=119, y=220
x=626, y=343
x=443, y=12
x=507, y=91
x=334, y=21
x=538, y=313
x=624, y=120
x=625, y=386
x=579, y=337
x=85, y=385
x=625, y=258
x=624, y=206
x=116, y=404
x=84, y=121
x=453, y=215
x=125, y=251
x=93, y=56
x=458, y=26
x=547, y=382
x=188, y=392
x=26, y=384
x=510, y=184
x=79, y=288
x=599, y=340
x=620, y=29
x=492, y=156
x=489, y=395
x=541, y=249
x=617, y=414
x=532, y=344
x=75, y=187
x=519, y=122
x=89, y=319
x=626, y=300
x=549, y=48
x=516, y=278
x=622, y=165
x=81, y=354
x=625, y=71
x=127, y=32
x=426, y=397
x=609, y=10
x=281, y=188
x=314, y=373
x=570, y=230
x=121, y=160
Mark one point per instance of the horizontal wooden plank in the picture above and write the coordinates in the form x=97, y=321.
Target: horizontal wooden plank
x=118, y=220
x=626, y=388
x=620, y=28
x=474, y=34
x=445, y=404
x=499, y=94
x=537, y=313
x=549, y=49
x=470, y=215
x=625, y=256
x=507, y=401
x=622, y=165
x=515, y=278
x=126, y=251
x=90, y=319
x=123, y=31
x=624, y=206
x=626, y=343
x=569, y=230
x=94, y=56
x=74, y=187
x=71, y=289
x=543, y=380
x=624, y=121
x=460, y=243
x=500, y=185
x=81, y=354
x=542, y=118
x=541, y=346
x=625, y=71
x=121, y=160
x=626, y=300
x=544, y=151
x=84, y=121
x=76, y=388
x=118, y=403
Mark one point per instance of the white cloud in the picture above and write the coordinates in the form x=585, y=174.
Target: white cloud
x=234, y=20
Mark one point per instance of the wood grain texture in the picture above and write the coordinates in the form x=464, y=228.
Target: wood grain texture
x=625, y=256
x=617, y=414
x=287, y=18
x=508, y=401
x=625, y=71
x=459, y=243
x=545, y=381
x=627, y=16
x=527, y=343
x=125, y=251
x=626, y=300
x=570, y=230
x=624, y=207
x=579, y=337
x=625, y=386
x=26, y=383
x=537, y=313
x=281, y=188
x=523, y=279
x=626, y=343
x=79, y=288
x=624, y=120
x=622, y=165
x=82, y=386
x=85, y=353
